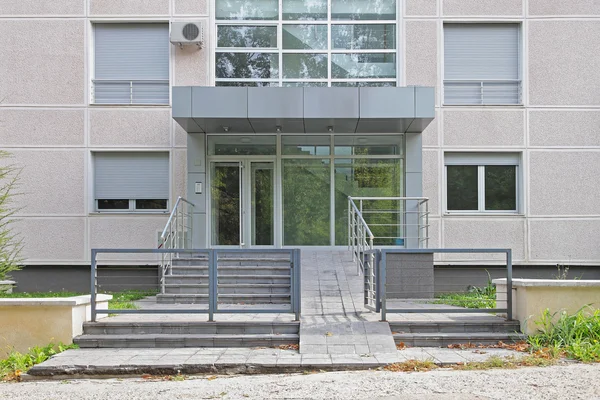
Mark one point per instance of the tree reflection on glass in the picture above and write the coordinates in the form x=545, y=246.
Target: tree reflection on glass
x=247, y=9
x=247, y=65
x=363, y=9
x=306, y=10
x=306, y=205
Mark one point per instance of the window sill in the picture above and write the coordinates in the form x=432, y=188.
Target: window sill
x=484, y=105
x=483, y=214
x=112, y=105
x=146, y=213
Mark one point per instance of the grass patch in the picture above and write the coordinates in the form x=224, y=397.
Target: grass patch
x=577, y=336
x=17, y=363
x=475, y=297
x=411, y=366
x=509, y=362
x=125, y=300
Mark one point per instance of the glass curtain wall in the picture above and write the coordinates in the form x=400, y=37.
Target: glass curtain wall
x=320, y=172
x=306, y=43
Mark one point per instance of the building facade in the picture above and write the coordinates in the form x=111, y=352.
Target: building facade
x=511, y=159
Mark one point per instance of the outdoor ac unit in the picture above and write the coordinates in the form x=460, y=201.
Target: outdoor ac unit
x=188, y=32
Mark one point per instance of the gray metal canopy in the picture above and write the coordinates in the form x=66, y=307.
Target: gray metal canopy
x=231, y=110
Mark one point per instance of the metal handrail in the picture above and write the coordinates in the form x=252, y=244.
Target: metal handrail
x=177, y=234
x=361, y=238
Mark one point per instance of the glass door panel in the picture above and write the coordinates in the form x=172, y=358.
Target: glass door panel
x=226, y=202
x=262, y=195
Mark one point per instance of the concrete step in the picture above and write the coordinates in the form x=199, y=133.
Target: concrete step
x=190, y=328
x=228, y=279
x=196, y=270
x=250, y=289
x=253, y=270
x=455, y=326
x=445, y=339
x=175, y=298
x=179, y=340
x=231, y=298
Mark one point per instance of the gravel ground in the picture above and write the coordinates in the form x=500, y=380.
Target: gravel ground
x=576, y=381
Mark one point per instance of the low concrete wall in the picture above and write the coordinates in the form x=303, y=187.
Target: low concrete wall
x=28, y=322
x=532, y=296
x=409, y=276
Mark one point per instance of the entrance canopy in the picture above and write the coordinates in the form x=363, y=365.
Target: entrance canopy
x=314, y=110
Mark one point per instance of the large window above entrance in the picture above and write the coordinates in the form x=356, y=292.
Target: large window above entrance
x=306, y=43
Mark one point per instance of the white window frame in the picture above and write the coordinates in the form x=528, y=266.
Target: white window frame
x=329, y=81
x=481, y=161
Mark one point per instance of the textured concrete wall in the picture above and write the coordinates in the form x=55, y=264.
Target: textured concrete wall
x=483, y=7
x=409, y=276
x=421, y=7
x=564, y=183
x=190, y=7
x=129, y=7
x=48, y=128
x=421, y=53
x=42, y=8
x=474, y=232
x=122, y=127
x=564, y=128
x=563, y=67
x=486, y=128
x=570, y=240
x=48, y=71
x=560, y=7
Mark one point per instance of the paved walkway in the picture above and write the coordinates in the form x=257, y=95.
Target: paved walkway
x=237, y=360
x=334, y=320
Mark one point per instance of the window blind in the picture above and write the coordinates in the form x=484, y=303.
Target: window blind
x=124, y=175
x=131, y=63
x=482, y=64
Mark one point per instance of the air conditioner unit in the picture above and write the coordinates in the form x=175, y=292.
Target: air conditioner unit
x=186, y=33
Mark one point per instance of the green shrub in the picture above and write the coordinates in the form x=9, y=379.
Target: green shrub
x=11, y=244
x=577, y=335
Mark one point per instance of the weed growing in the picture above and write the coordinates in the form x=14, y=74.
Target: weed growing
x=576, y=335
x=475, y=297
x=17, y=363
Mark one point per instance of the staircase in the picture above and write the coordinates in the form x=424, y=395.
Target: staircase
x=242, y=279
x=444, y=333
x=157, y=334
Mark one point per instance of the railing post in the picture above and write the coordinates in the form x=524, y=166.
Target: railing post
x=297, y=284
x=93, y=286
x=212, y=287
x=509, y=293
x=382, y=289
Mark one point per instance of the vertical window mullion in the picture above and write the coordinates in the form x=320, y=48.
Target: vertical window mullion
x=329, y=44
x=481, y=187
x=280, y=42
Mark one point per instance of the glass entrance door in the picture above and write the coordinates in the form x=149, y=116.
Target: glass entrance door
x=242, y=203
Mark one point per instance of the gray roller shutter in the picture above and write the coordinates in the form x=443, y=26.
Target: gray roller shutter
x=132, y=176
x=482, y=64
x=131, y=63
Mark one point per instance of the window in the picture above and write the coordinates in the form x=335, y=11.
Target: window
x=479, y=182
x=482, y=64
x=306, y=43
x=131, y=64
x=125, y=181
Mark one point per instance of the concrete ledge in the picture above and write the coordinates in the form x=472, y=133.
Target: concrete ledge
x=28, y=322
x=53, y=301
x=532, y=296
